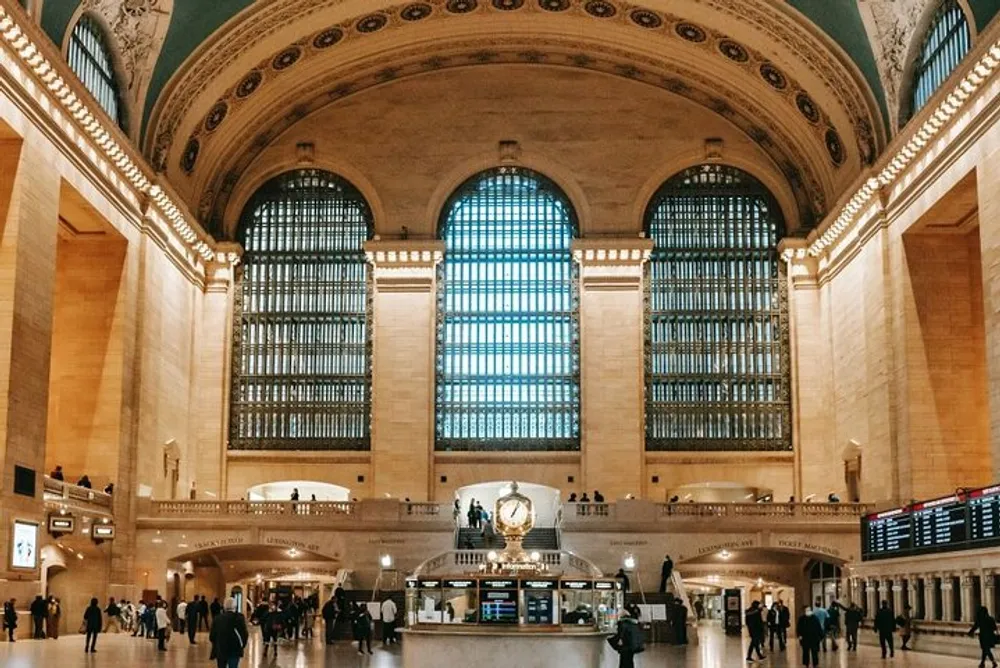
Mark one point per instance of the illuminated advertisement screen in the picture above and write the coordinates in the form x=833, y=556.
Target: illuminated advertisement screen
x=24, y=546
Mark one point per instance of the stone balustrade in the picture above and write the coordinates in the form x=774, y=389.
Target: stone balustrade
x=458, y=561
x=64, y=495
x=632, y=510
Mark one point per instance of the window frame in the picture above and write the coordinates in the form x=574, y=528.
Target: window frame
x=928, y=61
x=110, y=97
x=546, y=187
x=268, y=194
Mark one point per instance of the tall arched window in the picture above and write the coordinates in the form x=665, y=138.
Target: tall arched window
x=717, y=369
x=302, y=339
x=508, y=368
x=945, y=45
x=89, y=57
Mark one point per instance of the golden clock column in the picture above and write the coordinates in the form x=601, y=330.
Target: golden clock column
x=612, y=378
x=404, y=309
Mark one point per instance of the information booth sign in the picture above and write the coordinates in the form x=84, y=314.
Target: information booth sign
x=460, y=600
x=498, y=601
x=887, y=534
x=939, y=524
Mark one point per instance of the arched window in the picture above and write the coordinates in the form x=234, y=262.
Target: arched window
x=508, y=368
x=944, y=46
x=302, y=339
x=90, y=58
x=717, y=374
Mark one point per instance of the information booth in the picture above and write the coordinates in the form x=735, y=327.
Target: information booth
x=515, y=601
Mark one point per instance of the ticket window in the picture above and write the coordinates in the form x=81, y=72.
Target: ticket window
x=498, y=601
x=608, y=598
x=577, y=603
x=430, y=603
x=539, y=602
x=460, y=602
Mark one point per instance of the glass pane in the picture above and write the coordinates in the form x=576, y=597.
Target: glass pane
x=90, y=59
x=947, y=42
x=508, y=370
x=302, y=340
x=717, y=375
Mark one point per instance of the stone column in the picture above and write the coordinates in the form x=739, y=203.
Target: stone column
x=871, y=600
x=947, y=599
x=404, y=318
x=930, y=612
x=855, y=590
x=897, y=595
x=988, y=188
x=914, y=592
x=29, y=222
x=989, y=585
x=612, y=378
x=967, y=584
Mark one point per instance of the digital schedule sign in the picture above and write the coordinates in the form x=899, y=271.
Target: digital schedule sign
x=966, y=520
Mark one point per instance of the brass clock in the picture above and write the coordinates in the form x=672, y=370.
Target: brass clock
x=514, y=514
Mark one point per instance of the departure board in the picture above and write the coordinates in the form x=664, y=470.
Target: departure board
x=940, y=524
x=984, y=516
x=887, y=534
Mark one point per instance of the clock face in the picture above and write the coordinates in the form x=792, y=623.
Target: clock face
x=514, y=512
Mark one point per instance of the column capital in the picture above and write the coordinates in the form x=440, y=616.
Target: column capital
x=418, y=253
x=612, y=251
x=404, y=265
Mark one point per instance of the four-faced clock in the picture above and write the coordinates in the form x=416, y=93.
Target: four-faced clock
x=514, y=514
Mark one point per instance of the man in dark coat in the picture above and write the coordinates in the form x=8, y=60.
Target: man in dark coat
x=92, y=625
x=203, y=614
x=987, y=627
x=784, y=621
x=329, y=619
x=666, y=571
x=10, y=618
x=810, y=633
x=215, y=609
x=774, y=627
x=679, y=614
x=628, y=641
x=755, y=627
x=193, y=611
x=229, y=636
x=852, y=622
x=38, y=609
x=885, y=624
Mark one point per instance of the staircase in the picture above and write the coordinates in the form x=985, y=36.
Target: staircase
x=538, y=538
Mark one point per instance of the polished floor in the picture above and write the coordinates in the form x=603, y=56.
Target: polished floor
x=121, y=651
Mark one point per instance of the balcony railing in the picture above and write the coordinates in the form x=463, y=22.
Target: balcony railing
x=252, y=508
x=588, y=514
x=68, y=494
x=463, y=561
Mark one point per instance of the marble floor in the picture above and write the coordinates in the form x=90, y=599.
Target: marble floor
x=120, y=651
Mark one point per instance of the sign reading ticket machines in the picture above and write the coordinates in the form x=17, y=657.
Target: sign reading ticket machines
x=24, y=546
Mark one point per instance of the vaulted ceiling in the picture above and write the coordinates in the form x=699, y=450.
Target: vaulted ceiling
x=212, y=84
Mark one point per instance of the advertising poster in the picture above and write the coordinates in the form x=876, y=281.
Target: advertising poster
x=24, y=546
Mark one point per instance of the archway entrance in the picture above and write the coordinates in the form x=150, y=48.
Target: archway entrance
x=545, y=499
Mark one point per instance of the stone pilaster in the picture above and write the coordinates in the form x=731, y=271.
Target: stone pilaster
x=989, y=588
x=29, y=220
x=897, y=595
x=988, y=188
x=871, y=598
x=612, y=325
x=404, y=320
x=947, y=599
x=913, y=591
x=968, y=614
x=930, y=609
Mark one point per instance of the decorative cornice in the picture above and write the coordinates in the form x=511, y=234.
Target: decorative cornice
x=58, y=97
x=612, y=252
x=405, y=253
x=980, y=67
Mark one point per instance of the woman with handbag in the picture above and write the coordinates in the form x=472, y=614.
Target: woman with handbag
x=52, y=620
x=987, y=627
x=627, y=641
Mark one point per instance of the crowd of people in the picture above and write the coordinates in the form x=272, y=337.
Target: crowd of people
x=84, y=480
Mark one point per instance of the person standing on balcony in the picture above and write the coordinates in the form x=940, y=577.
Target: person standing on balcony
x=598, y=497
x=57, y=474
x=572, y=498
x=84, y=482
x=109, y=489
x=666, y=571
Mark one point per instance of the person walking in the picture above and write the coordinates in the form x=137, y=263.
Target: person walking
x=810, y=633
x=229, y=636
x=823, y=617
x=852, y=622
x=329, y=613
x=92, y=621
x=114, y=616
x=52, y=618
x=885, y=624
x=362, y=627
x=203, y=614
x=191, y=611
x=10, y=618
x=666, y=571
x=755, y=627
x=39, y=610
x=162, y=626
x=140, y=620
x=906, y=629
x=389, y=611
x=987, y=627
x=181, y=616
x=774, y=627
x=833, y=623
x=627, y=641
x=784, y=621
x=215, y=609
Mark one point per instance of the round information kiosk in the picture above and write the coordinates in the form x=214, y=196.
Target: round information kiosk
x=512, y=607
